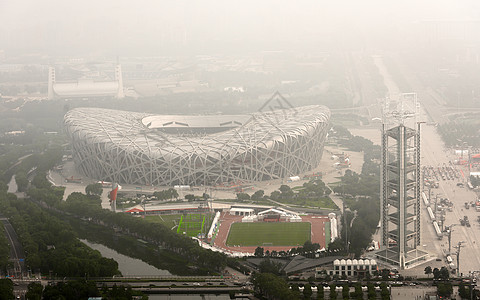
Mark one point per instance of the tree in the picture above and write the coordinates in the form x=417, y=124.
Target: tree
x=174, y=193
x=307, y=291
x=444, y=289
x=462, y=291
x=268, y=266
x=40, y=181
x=190, y=197
x=243, y=196
x=385, y=274
x=271, y=286
x=169, y=194
x=22, y=181
x=94, y=189
x=336, y=246
x=384, y=293
x=428, y=271
x=284, y=189
x=372, y=294
x=333, y=292
x=258, y=195
x=320, y=292
x=444, y=273
x=358, y=294
x=6, y=289
x=275, y=195
x=345, y=291
x=259, y=252
x=286, y=192
x=35, y=291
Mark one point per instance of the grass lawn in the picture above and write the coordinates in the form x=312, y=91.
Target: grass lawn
x=172, y=220
x=323, y=202
x=269, y=234
x=328, y=234
x=192, y=225
x=167, y=220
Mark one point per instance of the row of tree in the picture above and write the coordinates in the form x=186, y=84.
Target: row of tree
x=271, y=286
x=307, y=249
x=80, y=289
x=171, y=193
x=360, y=192
x=4, y=244
x=51, y=245
x=457, y=132
x=442, y=273
x=88, y=207
x=314, y=190
x=475, y=180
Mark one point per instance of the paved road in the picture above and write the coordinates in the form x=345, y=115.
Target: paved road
x=17, y=256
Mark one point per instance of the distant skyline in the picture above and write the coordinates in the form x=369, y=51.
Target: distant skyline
x=62, y=28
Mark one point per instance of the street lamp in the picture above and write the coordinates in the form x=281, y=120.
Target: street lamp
x=459, y=246
x=449, y=232
x=347, y=226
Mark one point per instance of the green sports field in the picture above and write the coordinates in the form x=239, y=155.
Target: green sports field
x=268, y=234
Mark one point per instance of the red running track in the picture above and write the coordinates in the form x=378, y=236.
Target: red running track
x=226, y=220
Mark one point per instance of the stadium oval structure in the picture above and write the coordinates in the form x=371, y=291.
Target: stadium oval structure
x=147, y=149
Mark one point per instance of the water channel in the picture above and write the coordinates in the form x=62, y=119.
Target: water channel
x=189, y=297
x=12, y=185
x=135, y=267
x=127, y=265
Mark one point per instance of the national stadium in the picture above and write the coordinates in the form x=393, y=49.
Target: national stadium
x=165, y=150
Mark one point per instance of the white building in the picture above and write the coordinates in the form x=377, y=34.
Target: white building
x=353, y=267
x=237, y=211
x=84, y=88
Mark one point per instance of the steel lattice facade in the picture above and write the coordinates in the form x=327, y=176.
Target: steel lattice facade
x=117, y=146
x=400, y=197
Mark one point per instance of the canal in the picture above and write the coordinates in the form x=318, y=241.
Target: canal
x=127, y=265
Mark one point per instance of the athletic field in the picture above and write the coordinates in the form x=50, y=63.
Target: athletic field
x=268, y=234
x=191, y=225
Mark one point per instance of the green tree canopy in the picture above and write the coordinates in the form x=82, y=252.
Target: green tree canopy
x=94, y=189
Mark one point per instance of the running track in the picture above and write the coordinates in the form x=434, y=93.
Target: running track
x=226, y=220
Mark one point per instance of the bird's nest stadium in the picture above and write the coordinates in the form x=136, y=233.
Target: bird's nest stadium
x=165, y=150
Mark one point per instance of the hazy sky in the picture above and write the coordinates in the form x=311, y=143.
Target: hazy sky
x=59, y=27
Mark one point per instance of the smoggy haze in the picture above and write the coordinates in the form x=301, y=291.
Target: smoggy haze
x=154, y=27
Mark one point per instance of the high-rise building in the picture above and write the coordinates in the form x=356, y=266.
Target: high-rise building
x=400, y=185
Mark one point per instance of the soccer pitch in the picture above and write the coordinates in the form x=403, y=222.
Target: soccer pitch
x=191, y=225
x=268, y=234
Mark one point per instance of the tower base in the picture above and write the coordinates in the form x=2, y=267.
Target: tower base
x=390, y=256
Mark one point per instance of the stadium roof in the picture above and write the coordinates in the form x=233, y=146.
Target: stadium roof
x=158, y=208
x=128, y=147
x=301, y=263
x=279, y=211
x=226, y=121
